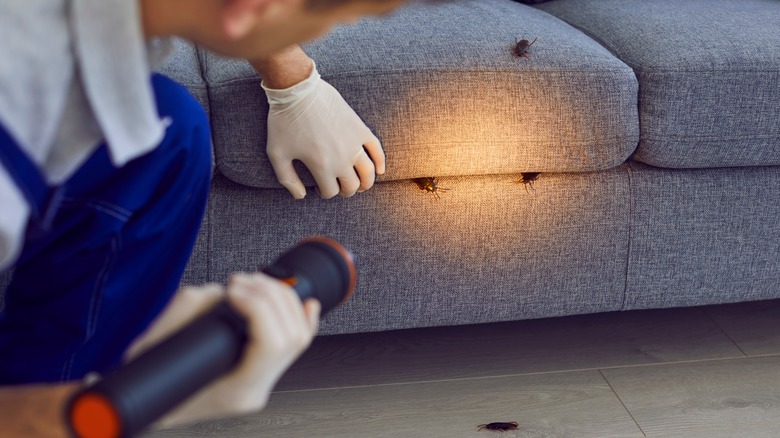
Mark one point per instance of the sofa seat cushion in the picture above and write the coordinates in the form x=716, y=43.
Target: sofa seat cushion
x=439, y=86
x=708, y=70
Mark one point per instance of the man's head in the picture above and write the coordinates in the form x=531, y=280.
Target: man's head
x=254, y=28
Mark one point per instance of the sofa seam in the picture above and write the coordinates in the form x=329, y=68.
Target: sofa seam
x=597, y=39
x=585, y=142
x=711, y=137
x=663, y=71
x=371, y=74
x=629, y=234
x=215, y=169
x=231, y=176
x=209, y=225
x=233, y=161
x=609, y=140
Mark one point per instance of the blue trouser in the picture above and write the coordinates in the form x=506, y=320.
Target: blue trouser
x=105, y=251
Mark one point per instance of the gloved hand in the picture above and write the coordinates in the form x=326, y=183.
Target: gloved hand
x=311, y=122
x=279, y=330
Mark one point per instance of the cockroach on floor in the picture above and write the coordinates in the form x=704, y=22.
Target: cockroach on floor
x=521, y=47
x=428, y=184
x=512, y=425
x=528, y=179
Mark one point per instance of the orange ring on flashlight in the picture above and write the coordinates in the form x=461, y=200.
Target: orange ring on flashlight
x=346, y=255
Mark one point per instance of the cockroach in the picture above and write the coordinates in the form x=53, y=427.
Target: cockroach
x=428, y=184
x=512, y=425
x=521, y=47
x=528, y=179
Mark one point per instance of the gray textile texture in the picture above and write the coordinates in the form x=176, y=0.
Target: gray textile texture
x=703, y=236
x=440, y=87
x=709, y=75
x=632, y=237
x=487, y=251
x=183, y=66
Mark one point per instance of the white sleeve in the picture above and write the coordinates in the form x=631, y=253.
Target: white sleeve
x=14, y=212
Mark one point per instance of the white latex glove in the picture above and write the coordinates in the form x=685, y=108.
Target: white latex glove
x=279, y=330
x=311, y=122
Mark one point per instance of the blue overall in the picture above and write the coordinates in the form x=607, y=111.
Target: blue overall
x=105, y=251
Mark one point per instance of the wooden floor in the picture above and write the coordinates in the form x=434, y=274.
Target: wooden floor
x=696, y=372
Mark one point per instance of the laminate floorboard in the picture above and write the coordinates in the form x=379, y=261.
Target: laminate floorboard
x=575, y=404
x=754, y=326
x=722, y=398
x=555, y=344
x=657, y=373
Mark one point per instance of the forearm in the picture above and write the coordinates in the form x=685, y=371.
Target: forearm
x=285, y=68
x=34, y=411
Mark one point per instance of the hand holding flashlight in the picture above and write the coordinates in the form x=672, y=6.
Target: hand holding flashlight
x=240, y=347
x=279, y=330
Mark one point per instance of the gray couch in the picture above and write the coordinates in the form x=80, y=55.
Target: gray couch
x=655, y=125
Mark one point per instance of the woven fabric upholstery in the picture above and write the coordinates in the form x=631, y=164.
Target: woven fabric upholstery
x=709, y=75
x=487, y=251
x=183, y=66
x=633, y=237
x=438, y=84
x=703, y=236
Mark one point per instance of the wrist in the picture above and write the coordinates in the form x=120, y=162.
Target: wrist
x=294, y=93
x=284, y=69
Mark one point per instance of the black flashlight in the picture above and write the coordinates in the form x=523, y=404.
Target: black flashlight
x=137, y=394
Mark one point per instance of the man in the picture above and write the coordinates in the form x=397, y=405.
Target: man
x=103, y=180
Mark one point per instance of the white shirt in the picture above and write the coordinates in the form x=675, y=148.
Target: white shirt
x=73, y=73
